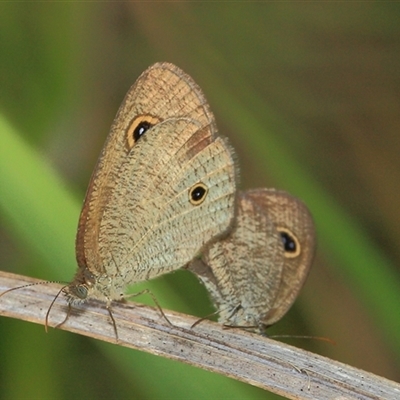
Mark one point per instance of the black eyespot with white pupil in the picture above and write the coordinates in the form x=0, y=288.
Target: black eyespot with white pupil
x=198, y=193
x=138, y=127
x=141, y=129
x=289, y=244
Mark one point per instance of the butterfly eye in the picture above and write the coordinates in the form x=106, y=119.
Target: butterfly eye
x=77, y=291
x=138, y=127
x=291, y=245
x=198, y=193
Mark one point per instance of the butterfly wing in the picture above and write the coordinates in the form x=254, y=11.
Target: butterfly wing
x=164, y=184
x=295, y=224
x=243, y=271
x=257, y=271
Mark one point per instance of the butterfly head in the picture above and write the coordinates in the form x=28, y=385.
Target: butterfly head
x=78, y=291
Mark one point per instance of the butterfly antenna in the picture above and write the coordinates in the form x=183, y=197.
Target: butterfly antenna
x=29, y=284
x=46, y=323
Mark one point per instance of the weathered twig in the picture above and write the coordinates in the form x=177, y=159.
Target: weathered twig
x=262, y=362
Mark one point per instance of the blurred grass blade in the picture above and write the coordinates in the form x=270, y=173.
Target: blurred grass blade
x=36, y=204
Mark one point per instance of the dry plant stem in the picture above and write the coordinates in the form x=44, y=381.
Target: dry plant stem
x=259, y=361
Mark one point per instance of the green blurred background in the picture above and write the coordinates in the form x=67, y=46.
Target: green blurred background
x=308, y=93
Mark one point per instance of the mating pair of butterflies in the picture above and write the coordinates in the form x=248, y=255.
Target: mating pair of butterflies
x=164, y=196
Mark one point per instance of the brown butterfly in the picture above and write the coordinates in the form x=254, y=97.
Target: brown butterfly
x=255, y=274
x=163, y=187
